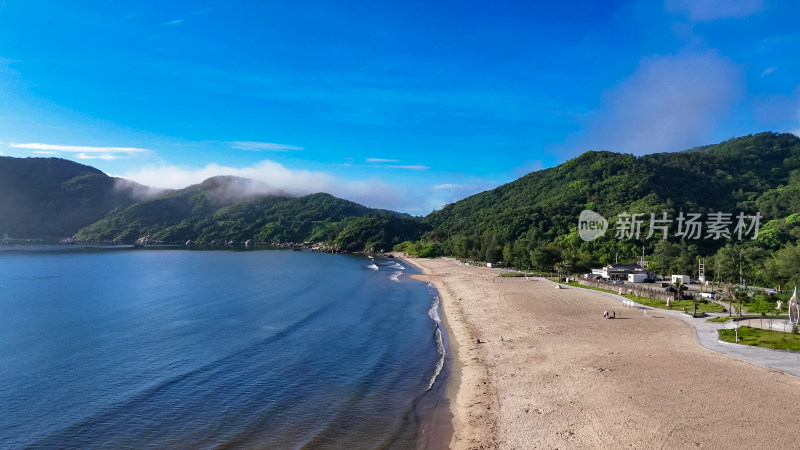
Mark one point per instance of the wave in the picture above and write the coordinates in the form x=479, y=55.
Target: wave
x=433, y=313
x=372, y=266
x=395, y=276
x=390, y=264
x=440, y=362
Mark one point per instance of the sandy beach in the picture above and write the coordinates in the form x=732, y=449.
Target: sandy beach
x=550, y=372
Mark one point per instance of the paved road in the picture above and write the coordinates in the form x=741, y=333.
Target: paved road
x=705, y=333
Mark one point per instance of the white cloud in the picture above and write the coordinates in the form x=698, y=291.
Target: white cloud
x=173, y=22
x=83, y=152
x=396, y=166
x=707, y=10
x=459, y=191
x=78, y=149
x=669, y=103
x=381, y=160
x=273, y=177
x=263, y=146
x=408, y=167
x=103, y=156
x=768, y=71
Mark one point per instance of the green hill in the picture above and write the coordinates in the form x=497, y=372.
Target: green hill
x=220, y=209
x=51, y=197
x=532, y=222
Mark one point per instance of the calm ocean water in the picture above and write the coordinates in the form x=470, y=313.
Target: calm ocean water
x=131, y=348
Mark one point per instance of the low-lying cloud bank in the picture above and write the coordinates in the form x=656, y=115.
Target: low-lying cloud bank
x=275, y=178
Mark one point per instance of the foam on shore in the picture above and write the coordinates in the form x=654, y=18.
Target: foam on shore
x=433, y=313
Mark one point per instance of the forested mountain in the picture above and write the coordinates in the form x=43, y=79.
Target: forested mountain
x=51, y=197
x=533, y=221
x=220, y=209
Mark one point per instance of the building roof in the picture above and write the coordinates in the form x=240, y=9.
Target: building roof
x=624, y=267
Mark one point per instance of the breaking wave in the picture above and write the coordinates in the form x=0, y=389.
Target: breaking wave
x=433, y=313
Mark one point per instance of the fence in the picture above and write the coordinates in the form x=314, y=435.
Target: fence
x=657, y=293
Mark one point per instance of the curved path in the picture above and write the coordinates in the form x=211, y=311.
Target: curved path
x=706, y=335
x=538, y=367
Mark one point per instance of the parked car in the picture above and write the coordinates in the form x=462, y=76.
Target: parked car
x=672, y=288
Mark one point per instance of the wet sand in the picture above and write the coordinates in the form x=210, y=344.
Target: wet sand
x=550, y=372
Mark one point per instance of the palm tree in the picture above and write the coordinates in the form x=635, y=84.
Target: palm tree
x=678, y=285
x=563, y=269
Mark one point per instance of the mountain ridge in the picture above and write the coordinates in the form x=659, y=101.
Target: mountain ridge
x=532, y=221
x=529, y=222
x=54, y=197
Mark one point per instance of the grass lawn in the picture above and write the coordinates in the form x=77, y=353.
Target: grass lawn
x=763, y=338
x=676, y=305
x=720, y=319
x=530, y=274
x=761, y=305
x=745, y=317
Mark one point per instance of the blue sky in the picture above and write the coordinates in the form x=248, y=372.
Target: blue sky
x=403, y=105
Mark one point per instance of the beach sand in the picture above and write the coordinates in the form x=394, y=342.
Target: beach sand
x=562, y=376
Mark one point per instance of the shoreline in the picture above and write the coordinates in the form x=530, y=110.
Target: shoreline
x=437, y=427
x=551, y=372
x=433, y=408
x=468, y=370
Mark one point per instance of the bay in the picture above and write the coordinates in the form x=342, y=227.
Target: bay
x=174, y=348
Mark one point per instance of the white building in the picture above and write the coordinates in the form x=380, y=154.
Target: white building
x=684, y=279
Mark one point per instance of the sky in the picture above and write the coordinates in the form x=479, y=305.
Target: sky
x=401, y=105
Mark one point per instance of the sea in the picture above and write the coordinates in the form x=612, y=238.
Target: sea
x=115, y=347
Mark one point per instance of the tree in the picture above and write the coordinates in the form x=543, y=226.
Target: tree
x=563, y=269
x=678, y=284
x=544, y=257
x=771, y=274
x=788, y=260
x=728, y=260
x=730, y=294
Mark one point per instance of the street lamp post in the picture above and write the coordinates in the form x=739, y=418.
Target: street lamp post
x=741, y=280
